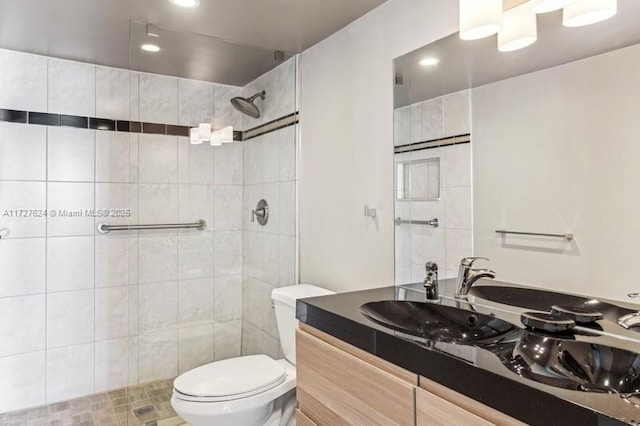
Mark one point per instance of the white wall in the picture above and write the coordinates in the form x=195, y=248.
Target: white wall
x=347, y=142
x=557, y=151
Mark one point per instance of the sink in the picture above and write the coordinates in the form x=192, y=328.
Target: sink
x=438, y=322
x=541, y=300
x=570, y=364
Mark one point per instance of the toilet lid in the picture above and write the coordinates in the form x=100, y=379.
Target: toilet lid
x=234, y=376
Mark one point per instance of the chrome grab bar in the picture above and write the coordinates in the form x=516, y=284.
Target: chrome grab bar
x=103, y=228
x=567, y=237
x=433, y=222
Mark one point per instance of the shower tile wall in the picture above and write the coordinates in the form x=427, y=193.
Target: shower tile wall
x=269, y=173
x=84, y=312
x=446, y=245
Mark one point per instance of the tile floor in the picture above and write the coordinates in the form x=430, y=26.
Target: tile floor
x=143, y=405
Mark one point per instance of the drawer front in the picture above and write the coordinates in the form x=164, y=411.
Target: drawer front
x=465, y=403
x=336, y=388
x=302, y=420
x=431, y=410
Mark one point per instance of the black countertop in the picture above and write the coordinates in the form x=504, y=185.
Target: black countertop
x=469, y=370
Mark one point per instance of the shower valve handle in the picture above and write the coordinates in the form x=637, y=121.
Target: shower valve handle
x=259, y=213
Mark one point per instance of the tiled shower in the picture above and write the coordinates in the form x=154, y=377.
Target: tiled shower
x=85, y=312
x=438, y=130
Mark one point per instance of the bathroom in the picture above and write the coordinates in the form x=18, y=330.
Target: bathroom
x=171, y=171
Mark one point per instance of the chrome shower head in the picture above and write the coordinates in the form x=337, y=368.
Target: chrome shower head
x=247, y=105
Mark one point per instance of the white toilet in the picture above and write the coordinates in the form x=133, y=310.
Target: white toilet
x=247, y=390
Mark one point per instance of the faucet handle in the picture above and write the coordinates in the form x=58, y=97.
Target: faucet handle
x=431, y=267
x=468, y=261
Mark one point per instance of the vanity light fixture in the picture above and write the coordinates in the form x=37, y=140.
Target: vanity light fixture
x=587, y=12
x=187, y=4
x=194, y=136
x=216, y=139
x=544, y=6
x=226, y=134
x=519, y=28
x=429, y=62
x=480, y=18
x=149, y=47
x=204, y=131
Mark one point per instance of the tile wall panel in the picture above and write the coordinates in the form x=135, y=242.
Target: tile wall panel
x=269, y=251
x=86, y=312
x=414, y=244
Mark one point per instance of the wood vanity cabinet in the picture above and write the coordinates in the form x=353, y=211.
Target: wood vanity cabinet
x=339, y=384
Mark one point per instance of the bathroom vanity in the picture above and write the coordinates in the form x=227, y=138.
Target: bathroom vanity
x=353, y=369
x=341, y=384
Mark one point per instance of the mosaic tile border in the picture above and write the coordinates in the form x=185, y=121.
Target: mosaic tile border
x=107, y=124
x=272, y=126
x=431, y=144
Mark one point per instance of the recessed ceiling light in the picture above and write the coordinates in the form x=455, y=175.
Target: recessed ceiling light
x=429, y=62
x=150, y=48
x=189, y=4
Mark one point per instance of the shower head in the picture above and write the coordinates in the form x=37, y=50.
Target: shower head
x=247, y=105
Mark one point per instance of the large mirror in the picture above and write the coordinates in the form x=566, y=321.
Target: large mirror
x=539, y=154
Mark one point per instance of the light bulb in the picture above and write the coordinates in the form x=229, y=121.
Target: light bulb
x=480, y=18
x=189, y=4
x=519, y=28
x=587, y=12
x=148, y=47
x=226, y=134
x=204, y=131
x=215, y=138
x=194, y=136
x=429, y=62
x=544, y=6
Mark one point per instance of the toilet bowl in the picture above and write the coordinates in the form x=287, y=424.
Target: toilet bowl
x=247, y=390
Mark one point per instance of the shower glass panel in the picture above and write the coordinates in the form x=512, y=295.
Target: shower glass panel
x=95, y=326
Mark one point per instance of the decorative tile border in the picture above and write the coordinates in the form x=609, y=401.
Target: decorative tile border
x=79, y=122
x=434, y=143
x=272, y=126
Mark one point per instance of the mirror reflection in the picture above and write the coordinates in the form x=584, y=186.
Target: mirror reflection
x=418, y=179
x=552, y=145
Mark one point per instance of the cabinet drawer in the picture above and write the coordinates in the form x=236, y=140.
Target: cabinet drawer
x=336, y=388
x=431, y=410
x=429, y=390
x=302, y=420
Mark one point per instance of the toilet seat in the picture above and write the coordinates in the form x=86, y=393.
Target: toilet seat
x=231, y=379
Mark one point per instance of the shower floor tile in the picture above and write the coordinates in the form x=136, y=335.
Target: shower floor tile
x=142, y=405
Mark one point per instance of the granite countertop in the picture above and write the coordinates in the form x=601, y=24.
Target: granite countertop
x=467, y=369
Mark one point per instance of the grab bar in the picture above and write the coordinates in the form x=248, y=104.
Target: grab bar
x=103, y=228
x=567, y=237
x=433, y=222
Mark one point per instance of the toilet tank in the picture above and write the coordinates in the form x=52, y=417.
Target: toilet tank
x=284, y=302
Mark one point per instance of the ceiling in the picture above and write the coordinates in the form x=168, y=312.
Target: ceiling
x=97, y=31
x=466, y=64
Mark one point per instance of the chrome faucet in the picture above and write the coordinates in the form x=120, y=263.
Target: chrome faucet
x=468, y=276
x=430, y=282
x=631, y=320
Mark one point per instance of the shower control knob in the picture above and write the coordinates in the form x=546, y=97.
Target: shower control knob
x=261, y=213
